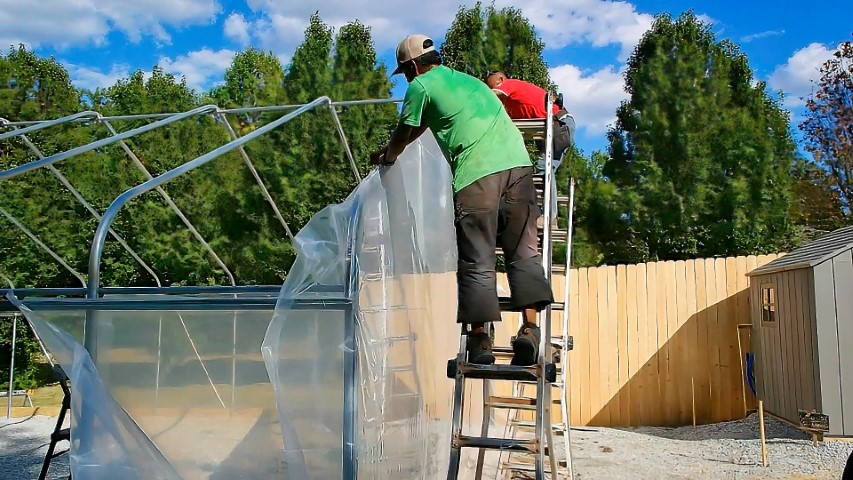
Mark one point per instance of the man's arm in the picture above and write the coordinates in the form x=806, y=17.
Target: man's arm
x=410, y=127
x=401, y=138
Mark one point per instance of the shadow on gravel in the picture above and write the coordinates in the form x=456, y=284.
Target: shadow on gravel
x=24, y=443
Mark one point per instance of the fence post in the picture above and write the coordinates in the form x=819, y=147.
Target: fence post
x=12, y=367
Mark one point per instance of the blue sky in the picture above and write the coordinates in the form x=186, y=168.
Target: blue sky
x=587, y=41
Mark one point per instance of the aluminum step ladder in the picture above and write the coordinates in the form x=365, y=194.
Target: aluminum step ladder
x=529, y=444
x=396, y=383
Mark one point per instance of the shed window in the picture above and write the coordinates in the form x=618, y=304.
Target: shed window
x=768, y=303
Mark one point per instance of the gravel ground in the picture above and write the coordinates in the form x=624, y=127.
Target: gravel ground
x=721, y=451
x=727, y=451
x=23, y=443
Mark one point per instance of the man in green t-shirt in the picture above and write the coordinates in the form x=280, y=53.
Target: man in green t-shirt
x=494, y=196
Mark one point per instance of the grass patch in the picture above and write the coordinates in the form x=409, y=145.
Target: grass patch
x=47, y=396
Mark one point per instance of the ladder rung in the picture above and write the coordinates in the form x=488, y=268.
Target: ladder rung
x=500, y=372
x=530, y=467
x=400, y=368
x=394, y=339
x=557, y=427
x=405, y=395
x=378, y=309
x=553, y=384
x=521, y=403
x=511, y=444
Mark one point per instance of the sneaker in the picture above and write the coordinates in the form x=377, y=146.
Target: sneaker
x=525, y=345
x=480, y=349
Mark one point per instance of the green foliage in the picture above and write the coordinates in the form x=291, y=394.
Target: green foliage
x=34, y=88
x=829, y=122
x=302, y=163
x=30, y=369
x=700, y=158
x=487, y=40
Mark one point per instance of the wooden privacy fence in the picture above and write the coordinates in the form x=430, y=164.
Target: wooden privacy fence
x=656, y=343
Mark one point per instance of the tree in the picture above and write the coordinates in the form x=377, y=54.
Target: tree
x=32, y=87
x=829, y=121
x=816, y=208
x=254, y=79
x=356, y=75
x=700, y=156
x=481, y=41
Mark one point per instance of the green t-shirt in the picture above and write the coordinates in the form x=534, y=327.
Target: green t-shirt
x=469, y=122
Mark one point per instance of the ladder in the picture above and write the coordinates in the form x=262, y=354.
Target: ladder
x=396, y=385
x=529, y=445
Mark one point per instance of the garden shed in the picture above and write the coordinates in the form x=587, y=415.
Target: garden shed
x=802, y=318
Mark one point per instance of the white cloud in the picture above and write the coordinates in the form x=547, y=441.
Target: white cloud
x=559, y=22
x=237, y=29
x=200, y=67
x=592, y=97
x=797, y=75
x=595, y=22
x=765, y=34
x=49, y=22
x=90, y=78
x=61, y=23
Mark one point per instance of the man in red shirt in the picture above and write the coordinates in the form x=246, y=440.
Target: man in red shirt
x=524, y=100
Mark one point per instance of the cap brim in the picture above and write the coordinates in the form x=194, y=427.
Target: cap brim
x=397, y=70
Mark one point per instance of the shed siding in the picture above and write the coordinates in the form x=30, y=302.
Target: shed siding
x=785, y=313
x=769, y=360
x=825, y=320
x=786, y=351
x=842, y=266
x=811, y=315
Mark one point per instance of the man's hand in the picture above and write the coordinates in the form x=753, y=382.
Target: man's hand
x=379, y=157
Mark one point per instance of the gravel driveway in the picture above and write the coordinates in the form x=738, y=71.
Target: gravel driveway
x=727, y=451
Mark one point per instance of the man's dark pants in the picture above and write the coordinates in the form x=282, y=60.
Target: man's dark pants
x=499, y=209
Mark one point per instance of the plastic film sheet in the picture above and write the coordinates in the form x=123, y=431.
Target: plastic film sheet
x=344, y=379
x=390, y=249
x=173, y=395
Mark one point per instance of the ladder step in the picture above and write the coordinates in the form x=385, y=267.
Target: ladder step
x=557, y=427
x=531, y=467
x=521, y=403
x=506, y=305
x=64, y=434
x=500, y=372
x=553, y=384
x=510, y=444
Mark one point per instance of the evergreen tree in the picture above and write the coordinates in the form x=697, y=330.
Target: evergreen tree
x=254, y=79
x=487, y=40
x=701, y=157
x=356, y=76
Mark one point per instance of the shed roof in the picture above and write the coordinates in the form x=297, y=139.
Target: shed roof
x=810, y=254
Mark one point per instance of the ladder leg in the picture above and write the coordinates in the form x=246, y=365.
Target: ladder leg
x=487, y=418
x=456, y=421
x=484, y=430
x=549, y=435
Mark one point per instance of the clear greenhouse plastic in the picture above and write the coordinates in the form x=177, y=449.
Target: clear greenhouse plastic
x=350, y=361
x=400, y=277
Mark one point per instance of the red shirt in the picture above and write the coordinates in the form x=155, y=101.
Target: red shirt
x=523, y=99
